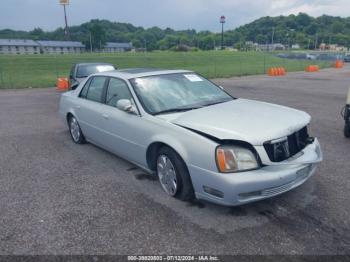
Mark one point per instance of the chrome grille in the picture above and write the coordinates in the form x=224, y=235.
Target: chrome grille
x=290, y=146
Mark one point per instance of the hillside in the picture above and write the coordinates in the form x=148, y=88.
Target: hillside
x=298, y=29
x=301, y=29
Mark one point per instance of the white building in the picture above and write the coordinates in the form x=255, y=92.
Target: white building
x=61, y=47
x=26, y=46
x=18, y=46
x=251, y=46
x=117, y=47
x=295, y=46
x=21, y=46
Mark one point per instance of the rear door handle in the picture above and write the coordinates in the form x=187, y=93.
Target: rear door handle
x=105, y=116
x=77, y=107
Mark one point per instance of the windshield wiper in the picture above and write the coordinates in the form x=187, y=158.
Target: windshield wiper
x=175, y=110
x=217, y=102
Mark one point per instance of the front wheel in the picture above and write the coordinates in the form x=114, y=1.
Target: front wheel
x=75, y=131
x=173, y=175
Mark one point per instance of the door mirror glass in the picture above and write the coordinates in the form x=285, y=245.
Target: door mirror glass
x=126, y=106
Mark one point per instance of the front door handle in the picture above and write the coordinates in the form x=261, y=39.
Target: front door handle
x=105, y=116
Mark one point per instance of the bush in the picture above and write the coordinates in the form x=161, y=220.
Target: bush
x=181, y=48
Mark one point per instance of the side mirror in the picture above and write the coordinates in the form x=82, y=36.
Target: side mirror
x=126, y=106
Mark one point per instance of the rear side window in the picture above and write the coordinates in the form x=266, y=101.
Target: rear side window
x=83, y=92
x=95, y=90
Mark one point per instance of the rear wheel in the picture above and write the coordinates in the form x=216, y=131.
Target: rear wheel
x=75, y=131
x=173, y=175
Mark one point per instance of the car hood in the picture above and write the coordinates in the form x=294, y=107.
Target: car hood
x=241, y=119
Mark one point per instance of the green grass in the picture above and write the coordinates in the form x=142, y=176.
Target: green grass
x=18, y=71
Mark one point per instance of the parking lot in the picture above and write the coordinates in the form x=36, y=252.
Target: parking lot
x=62, y=198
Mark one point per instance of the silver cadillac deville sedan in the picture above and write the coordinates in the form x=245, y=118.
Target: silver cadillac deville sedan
x=200, y=141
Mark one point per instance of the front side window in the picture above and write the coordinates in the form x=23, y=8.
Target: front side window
x=177, y=92
x=95, y=90
x=117, y=89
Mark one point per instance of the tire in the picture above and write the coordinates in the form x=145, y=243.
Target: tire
x=75, y=131
x=347, y=130
x=184, y=189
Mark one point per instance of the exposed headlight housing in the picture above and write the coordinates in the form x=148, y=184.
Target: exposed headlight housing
x=231, y=158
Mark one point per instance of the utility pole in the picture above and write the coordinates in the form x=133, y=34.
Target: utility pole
x=272, y=37
x=316, y=42
x=66, y=31
x=289, y=47
x=222, y=21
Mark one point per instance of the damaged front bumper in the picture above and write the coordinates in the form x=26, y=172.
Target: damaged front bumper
x=271, y=180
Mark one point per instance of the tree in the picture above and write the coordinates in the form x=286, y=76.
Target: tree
x=207, y=42
x=37, y=34
x=261, y=39
x=312, y=28
x=302, y=40
x=337, y=27
x=98, y=37
x=303, y=20
x=287, y=29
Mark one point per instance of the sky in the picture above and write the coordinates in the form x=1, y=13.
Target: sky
x=176, y=14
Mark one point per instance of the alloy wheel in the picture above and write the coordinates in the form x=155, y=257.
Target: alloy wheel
x=167, y=175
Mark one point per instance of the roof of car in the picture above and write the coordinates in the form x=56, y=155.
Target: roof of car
x=141, y=72
x=95, y=63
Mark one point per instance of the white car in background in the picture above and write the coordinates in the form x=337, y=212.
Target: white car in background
x=311, y=57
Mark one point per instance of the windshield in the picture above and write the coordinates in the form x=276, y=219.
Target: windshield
x=177, y=92
x=86, y=70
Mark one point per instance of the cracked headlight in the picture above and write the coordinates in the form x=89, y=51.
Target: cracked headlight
x=232, y=158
